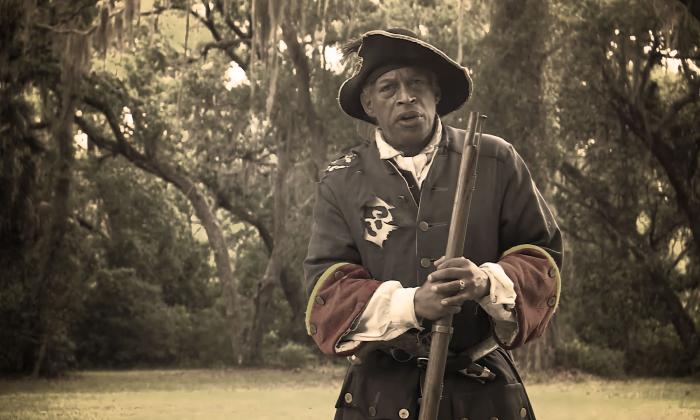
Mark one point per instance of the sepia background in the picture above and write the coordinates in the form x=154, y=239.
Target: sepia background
x=158, y=165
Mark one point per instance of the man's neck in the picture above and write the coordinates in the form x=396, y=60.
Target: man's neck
x=412, y=151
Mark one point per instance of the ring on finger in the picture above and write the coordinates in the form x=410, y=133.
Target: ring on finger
x=462, y=285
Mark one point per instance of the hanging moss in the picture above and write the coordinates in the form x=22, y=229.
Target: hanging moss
x=129, y=9
x=73, y=53
x=102, y=34
x=119, y=29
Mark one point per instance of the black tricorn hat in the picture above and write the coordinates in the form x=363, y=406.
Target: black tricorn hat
x=398, y=46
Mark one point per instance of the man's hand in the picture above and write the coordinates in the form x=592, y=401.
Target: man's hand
x=455, y=281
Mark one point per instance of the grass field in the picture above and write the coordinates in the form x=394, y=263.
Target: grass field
x=269, y=394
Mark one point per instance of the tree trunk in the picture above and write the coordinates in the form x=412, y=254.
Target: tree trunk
x=273, y=271
x=681, y=320
x=518, y=114
x=515, y=58
x=319, y=147
x=218, y=247
x=687, y=200
x=291, y=287
x=48, y=286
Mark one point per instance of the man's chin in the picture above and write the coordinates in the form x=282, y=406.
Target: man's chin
x=410, y=142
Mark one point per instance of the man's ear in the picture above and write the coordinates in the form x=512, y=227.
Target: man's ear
x=366, y=100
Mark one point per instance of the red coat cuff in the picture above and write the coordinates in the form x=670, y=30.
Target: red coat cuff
x=339, y=297
x=537, y=282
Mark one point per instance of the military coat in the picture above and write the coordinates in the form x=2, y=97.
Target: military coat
x=372, y=224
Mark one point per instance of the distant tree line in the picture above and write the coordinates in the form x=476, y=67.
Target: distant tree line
x=156, y=208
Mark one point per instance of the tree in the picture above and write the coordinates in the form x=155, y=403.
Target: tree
x=629, y=165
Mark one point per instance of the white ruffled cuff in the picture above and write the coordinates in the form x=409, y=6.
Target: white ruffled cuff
x=500, y=303
x=389, y=313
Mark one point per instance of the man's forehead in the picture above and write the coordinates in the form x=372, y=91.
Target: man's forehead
x=400, y=71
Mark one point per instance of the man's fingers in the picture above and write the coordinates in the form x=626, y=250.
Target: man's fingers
x=453, y=262
x=450, y=274
x=449, y=288
x=457, y=299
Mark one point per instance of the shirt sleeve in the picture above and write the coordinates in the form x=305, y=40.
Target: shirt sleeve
x=531, y=246
x=500, y=303
x=389, y=313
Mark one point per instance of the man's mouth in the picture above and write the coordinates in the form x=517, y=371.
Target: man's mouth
x=409, y=117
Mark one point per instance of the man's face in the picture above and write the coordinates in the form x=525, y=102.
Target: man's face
x=403, y=102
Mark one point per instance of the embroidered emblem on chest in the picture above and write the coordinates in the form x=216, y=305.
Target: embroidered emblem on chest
x=341, y=163
x=378, y=221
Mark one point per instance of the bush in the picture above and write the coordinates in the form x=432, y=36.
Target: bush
x=659, y=344
x=292, y=356
x=590, y=358
x=127, y=324
x=208, y=341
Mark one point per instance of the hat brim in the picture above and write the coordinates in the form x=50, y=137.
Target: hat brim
x=381, y=48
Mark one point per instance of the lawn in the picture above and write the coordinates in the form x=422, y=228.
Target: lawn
x=309, y=395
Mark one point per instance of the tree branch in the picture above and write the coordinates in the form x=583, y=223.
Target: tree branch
x=84, y=223
x=227, y=46
x=246, y=38
x=161, y=9
x=677, y=105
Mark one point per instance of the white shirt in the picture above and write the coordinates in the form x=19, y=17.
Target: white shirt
x=390, y=311
x=417, y=165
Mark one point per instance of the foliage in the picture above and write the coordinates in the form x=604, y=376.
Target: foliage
x=292, y=356
x=591, y=358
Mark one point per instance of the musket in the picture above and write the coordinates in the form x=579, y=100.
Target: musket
x=442, y=328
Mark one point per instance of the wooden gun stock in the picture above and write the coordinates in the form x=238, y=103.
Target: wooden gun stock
x=442, y=328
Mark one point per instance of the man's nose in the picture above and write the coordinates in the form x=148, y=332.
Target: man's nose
x=405, y=94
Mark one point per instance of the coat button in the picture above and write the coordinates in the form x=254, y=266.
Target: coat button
x=550, y=272
x=403, y=413
x=424, y=226
x=551, y=301
x=372, y=411
x=348, y=397
x=339, y=275
x=319, y=300
x=425, y=262
x=312, y=329
x=523, y=413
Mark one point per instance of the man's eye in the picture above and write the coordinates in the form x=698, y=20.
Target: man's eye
x=385, y=88
x=418, y=82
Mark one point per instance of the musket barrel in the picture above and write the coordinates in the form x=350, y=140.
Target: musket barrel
x=442, y=328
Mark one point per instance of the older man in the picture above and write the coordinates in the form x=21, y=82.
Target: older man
x=375, y=271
